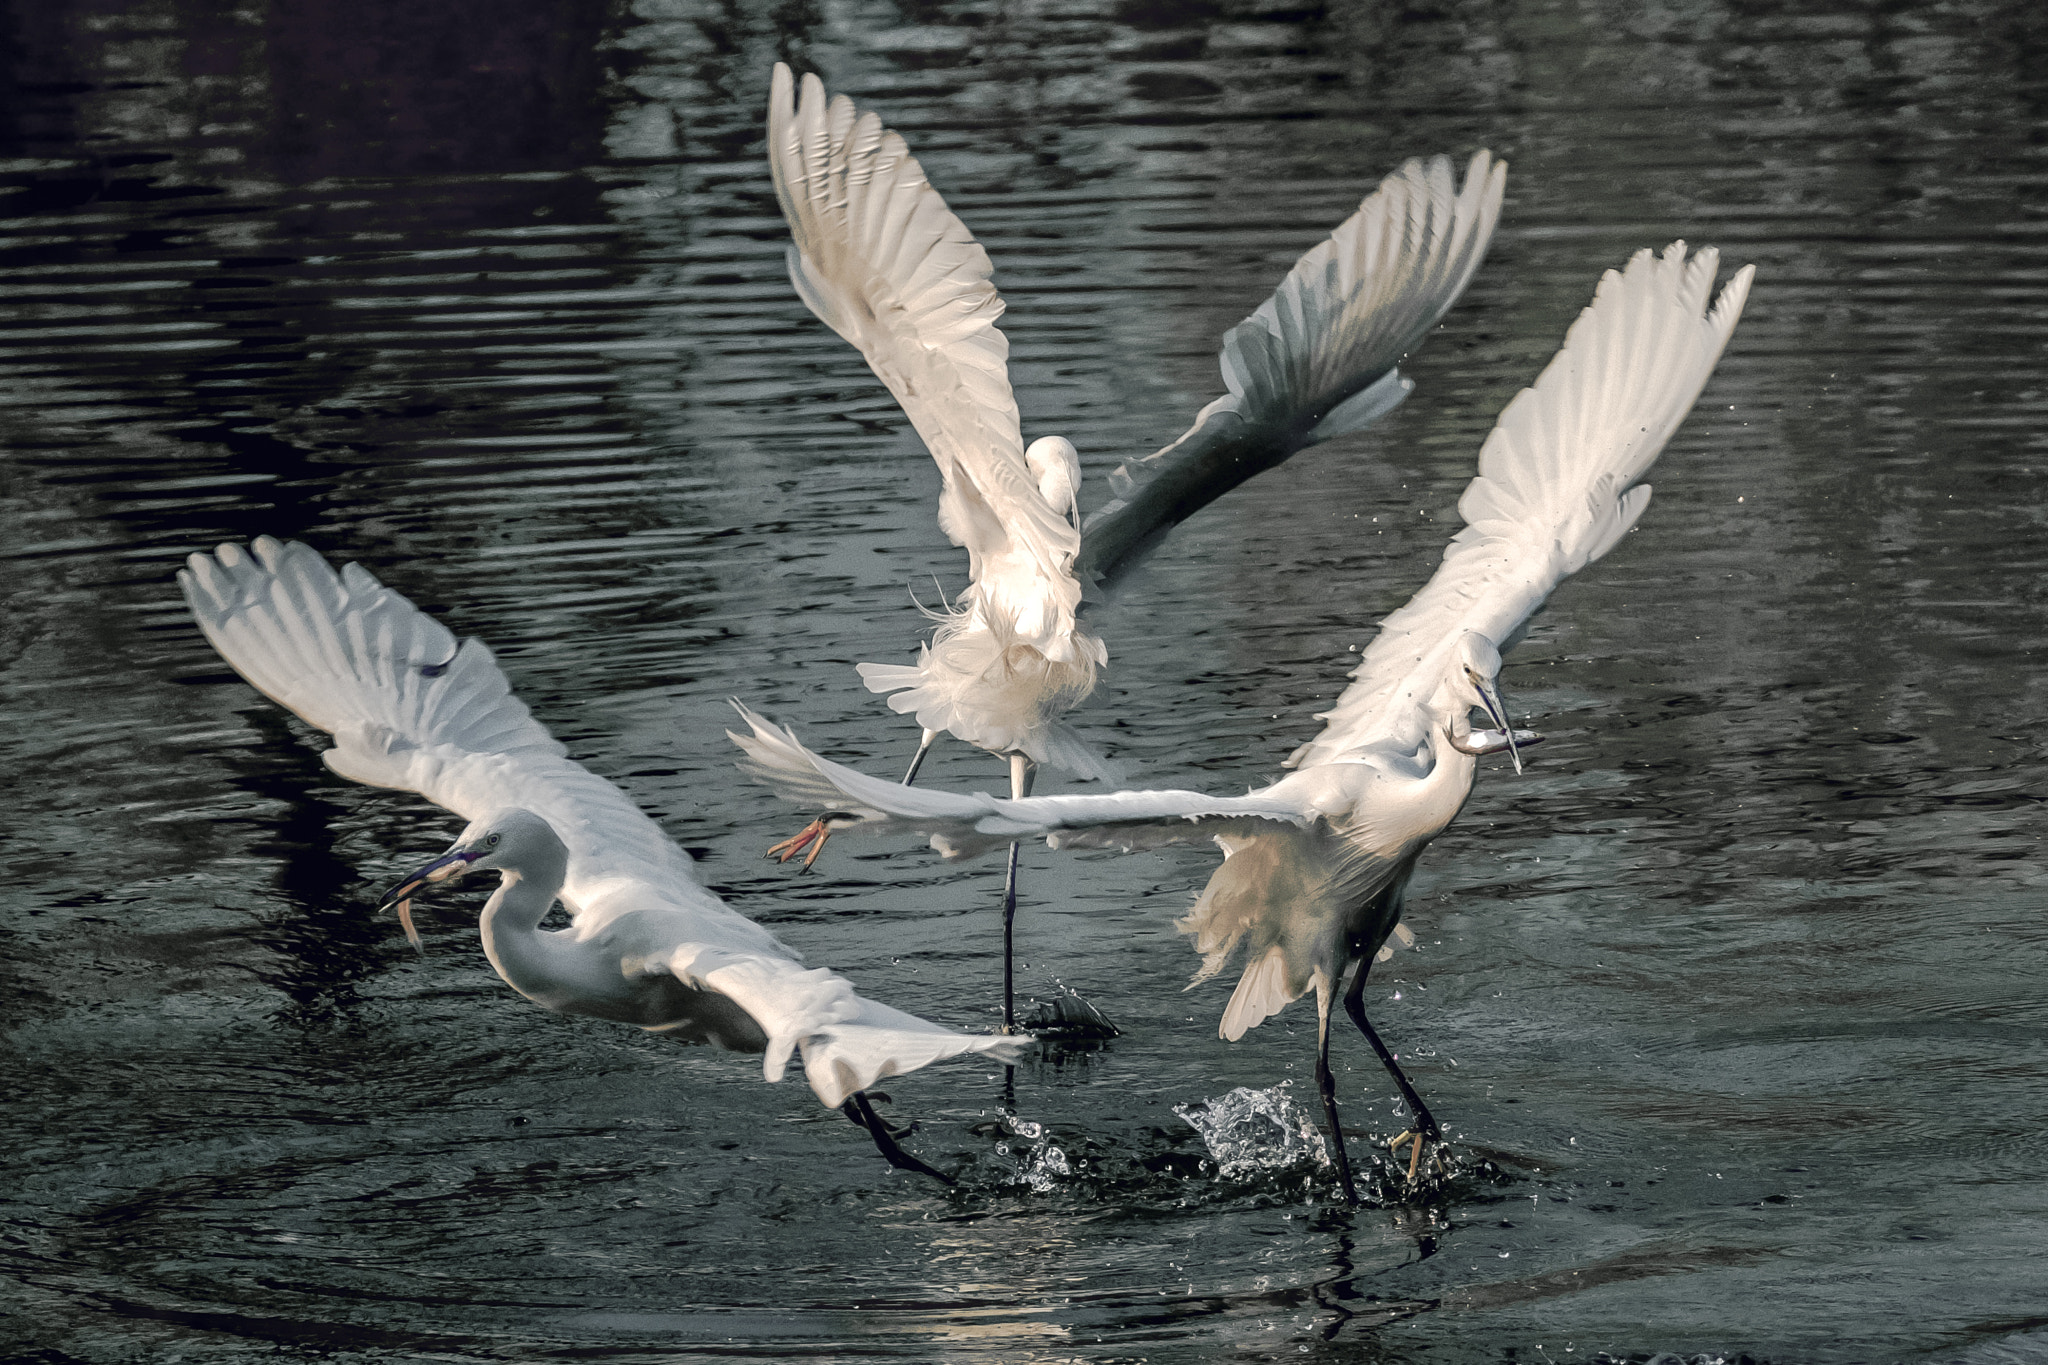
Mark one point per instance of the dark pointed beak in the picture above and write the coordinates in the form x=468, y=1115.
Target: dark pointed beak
x=1497, y=711
x=1481, y=743
x=447, y=867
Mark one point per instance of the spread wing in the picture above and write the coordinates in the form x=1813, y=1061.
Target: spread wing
x=1557, y=483
x=968, y=825
x=847, y=1041
x=1320, y=357
x=411, y=709
x=1357, y=303
x=883, y=262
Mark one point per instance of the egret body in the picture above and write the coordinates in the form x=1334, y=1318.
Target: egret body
x=1316, y=865
x=646, y=944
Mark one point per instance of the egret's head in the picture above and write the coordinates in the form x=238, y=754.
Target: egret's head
x=1056, y=466
x=1475, y=663
x=505, y=841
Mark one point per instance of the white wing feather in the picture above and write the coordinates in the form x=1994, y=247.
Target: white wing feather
x=1355, y=304
x=881, y=260
x=408, y=709
x=968, y=825
x=1320, y=357
x=1556, y=487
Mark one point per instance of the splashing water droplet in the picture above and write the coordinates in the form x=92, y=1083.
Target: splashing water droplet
x=1250, y=1131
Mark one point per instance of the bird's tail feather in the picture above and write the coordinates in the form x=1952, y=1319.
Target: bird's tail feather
x=847, y=1042
x=1262, y=992
x=1273, y=894
x=978, y=681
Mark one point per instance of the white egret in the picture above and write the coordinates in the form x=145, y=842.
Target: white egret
x=880, y=259
x=1316, y=865
x=412, y=709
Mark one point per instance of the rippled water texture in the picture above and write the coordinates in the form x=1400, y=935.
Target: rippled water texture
x=1735, y=999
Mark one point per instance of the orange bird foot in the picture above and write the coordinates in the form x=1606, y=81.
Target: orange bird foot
x=812, y=836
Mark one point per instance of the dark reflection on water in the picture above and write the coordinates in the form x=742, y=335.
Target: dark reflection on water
x=1737, y=992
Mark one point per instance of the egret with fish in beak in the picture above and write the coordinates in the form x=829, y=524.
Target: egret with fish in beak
x=450, y=866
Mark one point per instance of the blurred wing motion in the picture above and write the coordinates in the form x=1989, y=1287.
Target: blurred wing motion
x=1320, y=357
x=965, y=826
x=408, y=708
x=1556, y=487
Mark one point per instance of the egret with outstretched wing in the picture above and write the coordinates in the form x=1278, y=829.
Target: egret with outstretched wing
x=882, y=261
x=879, y=258
x=1318, y=359
x=411, y=708
x=1316, y=865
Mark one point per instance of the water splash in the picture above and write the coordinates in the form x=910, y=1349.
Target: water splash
x=1037, y=1162
x=1251, y=1132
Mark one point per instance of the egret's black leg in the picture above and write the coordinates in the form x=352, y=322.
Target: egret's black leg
x=1020, y=787
x=875, y=1097
x=1009, y=924
x=863, y=1115
x=1354, y=1005
x=924, y=746
x=1327, y=1085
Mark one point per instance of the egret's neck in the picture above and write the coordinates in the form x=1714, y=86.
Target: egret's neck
x=1451, y=765
x=511, y=927
x=519, y=904
x=1450, y=778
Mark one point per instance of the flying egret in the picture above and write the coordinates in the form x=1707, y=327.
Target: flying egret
x=880, y=259
x=410, y=708
x=1316, y=865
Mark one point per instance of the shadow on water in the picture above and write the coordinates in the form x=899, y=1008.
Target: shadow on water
x=1730, y=1003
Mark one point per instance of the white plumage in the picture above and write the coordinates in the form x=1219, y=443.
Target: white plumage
x=1557, y=485
x=881, y=260
x=878, y=256
x=1319, y=358
x=1316, y=864
x=410, y=708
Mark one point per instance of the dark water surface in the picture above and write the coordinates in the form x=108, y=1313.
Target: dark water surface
x=1741, y=986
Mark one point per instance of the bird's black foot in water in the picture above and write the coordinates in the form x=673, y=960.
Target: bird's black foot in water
x=1070, y=1019
x=863, y=1114
x=875, y=1097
